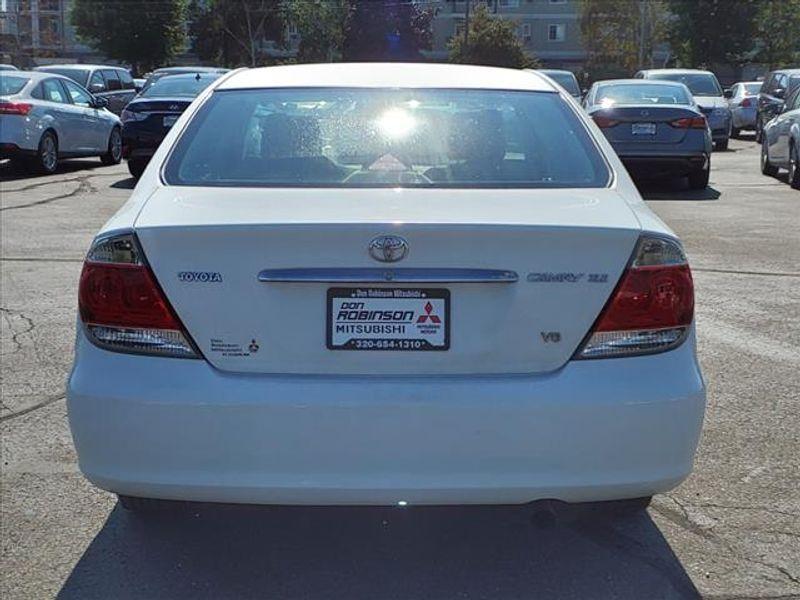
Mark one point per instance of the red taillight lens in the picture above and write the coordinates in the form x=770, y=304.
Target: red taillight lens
x=690, y=123
x=15, y=108
x=651, y=308
x=122, y=306
x=746, y=103
x=604, y=122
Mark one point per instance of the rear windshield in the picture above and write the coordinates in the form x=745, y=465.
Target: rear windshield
x=355, y=137
x=567, y=81
x=700, y=84
x=752, y=88
x=80, y=76
x=11, y=84
x=177, y=86
x=641, y=93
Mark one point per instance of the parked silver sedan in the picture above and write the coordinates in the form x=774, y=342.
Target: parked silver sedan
x=46, y=117
x=743, y=102
x=780, y=142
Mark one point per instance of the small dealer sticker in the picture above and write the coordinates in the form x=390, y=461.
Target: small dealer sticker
x=388, y=319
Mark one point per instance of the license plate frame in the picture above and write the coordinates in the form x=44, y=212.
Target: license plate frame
x=643, y=128
x=427, y=329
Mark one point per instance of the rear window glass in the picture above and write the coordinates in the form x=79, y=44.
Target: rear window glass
x=178, y=86
x=386, y=138
x=641, y=93
x=752, y=88
x=10, y=84
x=567, y=81
x=77, y=75
x=700, y=84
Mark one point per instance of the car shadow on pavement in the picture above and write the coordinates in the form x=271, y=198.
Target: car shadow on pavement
x=378, y=553
x=125, y=184
x=12, y=172
x=674, y=189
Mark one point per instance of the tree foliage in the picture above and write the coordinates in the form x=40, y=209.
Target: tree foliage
x=387, y=30
x=621, y=35
x=708, y=32
x=490, y=41
x=777, y=29
x=231, y=33
x=145, y=34
x=322, y=25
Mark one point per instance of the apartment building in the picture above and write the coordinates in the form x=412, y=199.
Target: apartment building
x=548, y=29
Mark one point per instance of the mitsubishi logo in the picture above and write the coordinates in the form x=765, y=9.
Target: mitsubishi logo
x=174, y=107
x=388, y=248
x=428, y=315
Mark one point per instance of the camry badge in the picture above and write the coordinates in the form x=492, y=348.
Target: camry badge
x=388, y=248
x=174, y=107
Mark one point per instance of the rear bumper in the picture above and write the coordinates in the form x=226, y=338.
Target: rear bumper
x=180, y=429
x=137, y=143
x=657, y=166
x=744, y=118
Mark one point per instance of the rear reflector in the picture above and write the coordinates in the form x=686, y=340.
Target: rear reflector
x=652, y=307
x=15, y=108
x=690, y=123
x=122, y=306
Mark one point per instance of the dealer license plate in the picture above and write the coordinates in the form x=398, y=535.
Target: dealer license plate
x=170, y=121
x=643, y=128
x=388, y=319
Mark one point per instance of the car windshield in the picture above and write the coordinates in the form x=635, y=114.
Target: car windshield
x=565, y=80
x=640, y=93
x=11, y=84
x=80, y=76
x=178, y=86
x=700, y=84
x=752, y=88
x=357, y=137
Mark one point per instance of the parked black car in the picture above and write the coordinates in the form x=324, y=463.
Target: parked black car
x=777, y=86
x=115, y=84
x=164, y=71
x=148, y=118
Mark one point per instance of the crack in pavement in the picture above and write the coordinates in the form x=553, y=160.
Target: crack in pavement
x=683, y=520
x=56, y=181
x=84, y=186
x=41, y=404
x=15, y=334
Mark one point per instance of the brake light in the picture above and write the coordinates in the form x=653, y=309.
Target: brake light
x=690, y=123
x=604, y=122
x=652, y=307
x=15, y=108
x=122, y=306
x=747, y=103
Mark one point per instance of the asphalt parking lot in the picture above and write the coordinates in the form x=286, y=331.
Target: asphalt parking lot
x=732, y=530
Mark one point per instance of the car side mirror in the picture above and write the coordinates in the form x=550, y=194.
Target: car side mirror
x=96, y=88
x=100, y=102
x=779, y=93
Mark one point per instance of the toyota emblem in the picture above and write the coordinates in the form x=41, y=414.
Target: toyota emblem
x=388, y=248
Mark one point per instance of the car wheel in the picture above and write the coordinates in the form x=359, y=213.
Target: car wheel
x=759, y=129
x=698, y=180
x=767, y=168
x=113, y=154
x=721, y=145
x=735, y=133
x=794, y=167
x=136, y=167
x=149, y=505
x=46, y=159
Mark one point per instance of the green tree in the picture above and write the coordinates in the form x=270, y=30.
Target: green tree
x=709, y=32
x=145, y=34
x=387, y=30
x=490, y=41
x=322, y=25
x=777, y=33
x=231, y=33
x=620, y=36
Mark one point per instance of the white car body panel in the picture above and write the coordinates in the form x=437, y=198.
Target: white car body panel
x=298, y=426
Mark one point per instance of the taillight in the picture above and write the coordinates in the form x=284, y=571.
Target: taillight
x=652, y=307
x=15, y=108
x=690, y=123
x=604, y=122
x=131, y=115
x=746, y=103
x=121, y=304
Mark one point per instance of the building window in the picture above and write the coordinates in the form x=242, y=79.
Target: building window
x=556, y=32
x=525, y=32
x=509, y=3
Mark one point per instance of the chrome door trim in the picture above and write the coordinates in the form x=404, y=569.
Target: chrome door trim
x=378, y=275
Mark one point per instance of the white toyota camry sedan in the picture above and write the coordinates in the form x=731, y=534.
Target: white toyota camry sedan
x=385, y=284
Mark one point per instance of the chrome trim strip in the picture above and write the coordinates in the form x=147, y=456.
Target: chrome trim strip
x=377, y=275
